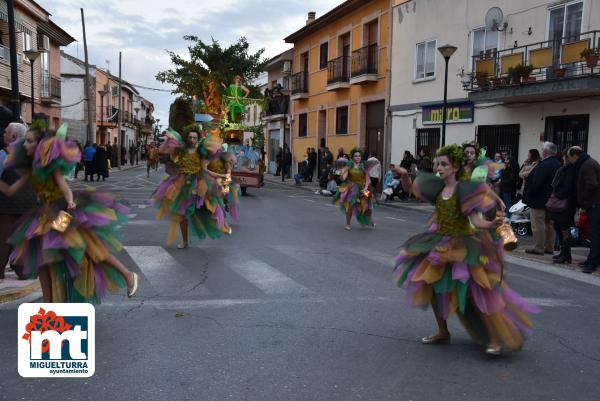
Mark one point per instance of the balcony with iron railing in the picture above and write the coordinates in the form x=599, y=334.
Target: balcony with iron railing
x=50, y=89
x=545, y=70
x=338, y=73
x=365, y=64
x=299, y=85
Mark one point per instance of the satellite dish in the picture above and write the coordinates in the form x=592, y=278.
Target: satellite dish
x=494, y=18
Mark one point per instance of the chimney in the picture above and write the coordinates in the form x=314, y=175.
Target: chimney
x=311, y=17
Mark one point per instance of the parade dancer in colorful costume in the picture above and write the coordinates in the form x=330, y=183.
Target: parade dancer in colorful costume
x=353, y=195
x=227, y=187
x=72, y=254
x=456, y=266
x=190, y=197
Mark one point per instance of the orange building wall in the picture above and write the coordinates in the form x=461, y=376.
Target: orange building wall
x=355, y=96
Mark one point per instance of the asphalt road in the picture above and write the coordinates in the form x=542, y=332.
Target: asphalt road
x=293, y=307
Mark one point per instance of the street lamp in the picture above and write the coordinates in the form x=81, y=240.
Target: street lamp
x=137, y=122
x=447, y=51
x=32, y=55
x=102, y=93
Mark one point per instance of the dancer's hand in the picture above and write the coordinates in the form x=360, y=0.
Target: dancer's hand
x=71, y=206
x=497, y=222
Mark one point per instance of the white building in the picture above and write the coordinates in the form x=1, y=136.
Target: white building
x=276, y=118
x=254, y=112
x=483, y=104
x=74, y=111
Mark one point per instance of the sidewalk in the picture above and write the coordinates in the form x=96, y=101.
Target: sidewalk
x=12, y=288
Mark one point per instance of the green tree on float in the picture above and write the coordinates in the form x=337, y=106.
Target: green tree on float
x=211, y=64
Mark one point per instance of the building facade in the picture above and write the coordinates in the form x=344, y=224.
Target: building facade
x=41, y=38
x=277, y=115
x=339, y=81
x=73, y=95
x=511, y=85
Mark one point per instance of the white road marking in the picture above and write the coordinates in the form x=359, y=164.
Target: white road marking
x=393, y=218
x=372, y=255
x=557, y=271
x=309, y=200
x=132, y=216
x=551, y=302
x=264, y=276
x=141, y=206
x=165, y=273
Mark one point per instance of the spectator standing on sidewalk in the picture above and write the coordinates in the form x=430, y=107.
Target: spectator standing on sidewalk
x=374, y=166
x=312, y=163
x=88, y=157
x=533, y=159
x=109, y=155
x=561, y=208
x=12, y=208
x=424, y=163
x=508, y=182
x=100, y=163
x=587, y=188
x=536, y=194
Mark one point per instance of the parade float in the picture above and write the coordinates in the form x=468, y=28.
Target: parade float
x=224, y=115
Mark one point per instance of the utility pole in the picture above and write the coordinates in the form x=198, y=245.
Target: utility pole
x=87, y=94
x=14, y=72
x=120, y=116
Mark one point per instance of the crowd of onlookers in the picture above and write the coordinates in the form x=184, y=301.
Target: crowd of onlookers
x=98, y=159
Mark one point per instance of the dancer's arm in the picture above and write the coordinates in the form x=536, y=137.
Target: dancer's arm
x=344, y=174
x=64, y=188
x=164, y=148
x=211, y=173
x=484, y=224
x=10, y=190
x=246, y=91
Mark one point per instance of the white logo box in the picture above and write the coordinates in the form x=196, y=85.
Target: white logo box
x=75, y=358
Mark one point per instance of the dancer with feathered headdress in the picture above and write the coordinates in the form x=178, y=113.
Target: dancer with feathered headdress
x=456, y=266
x=353, y=195
x=190, y=196
x=71, y=253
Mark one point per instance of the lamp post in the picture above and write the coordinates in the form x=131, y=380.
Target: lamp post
x=137, y=123
x=102, y=93
x=447, y=51
x=32, y=55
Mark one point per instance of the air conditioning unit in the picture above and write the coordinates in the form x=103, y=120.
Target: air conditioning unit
x=287, y=66
x=43, y=43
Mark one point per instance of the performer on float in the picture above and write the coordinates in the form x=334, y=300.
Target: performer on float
x=455, y=266
x=227, y=187
x=353, y=195
x=71, y=253
x=234, y=93
x=190, y=195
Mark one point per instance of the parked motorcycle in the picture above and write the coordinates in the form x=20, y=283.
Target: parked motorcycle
x=520, y=219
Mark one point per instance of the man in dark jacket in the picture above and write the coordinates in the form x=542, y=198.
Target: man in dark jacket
x=508, y=182
x=12, y=208
x=537, y=192
x=587, y=188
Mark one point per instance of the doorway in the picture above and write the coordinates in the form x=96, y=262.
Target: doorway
x=567, y=131
x=374, y=128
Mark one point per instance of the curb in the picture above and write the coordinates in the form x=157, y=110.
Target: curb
x=414, y=208
x=12, y=294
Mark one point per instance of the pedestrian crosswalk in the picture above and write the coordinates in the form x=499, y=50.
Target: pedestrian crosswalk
x=209, y=276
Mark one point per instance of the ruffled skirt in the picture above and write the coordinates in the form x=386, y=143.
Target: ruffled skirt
x=195, y=198
x=350, y=197
x=464, y=275
x=75, y=258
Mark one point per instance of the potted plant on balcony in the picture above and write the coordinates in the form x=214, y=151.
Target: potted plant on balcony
x=482, y=80
x=591, y=57
x=560, y=72
x=514, y=74
x=526, y=72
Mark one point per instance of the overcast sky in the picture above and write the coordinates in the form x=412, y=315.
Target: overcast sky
x=142, y=30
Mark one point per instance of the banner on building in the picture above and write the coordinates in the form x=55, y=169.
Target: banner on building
x=457, y=113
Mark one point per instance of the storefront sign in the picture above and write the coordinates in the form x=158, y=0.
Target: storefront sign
x=457, y=113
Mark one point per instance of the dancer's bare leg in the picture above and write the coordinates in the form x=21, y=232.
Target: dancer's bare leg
x=120, y=267
x=183, y=224
x=443, y=335
x=46, y=283
x=348, y=218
